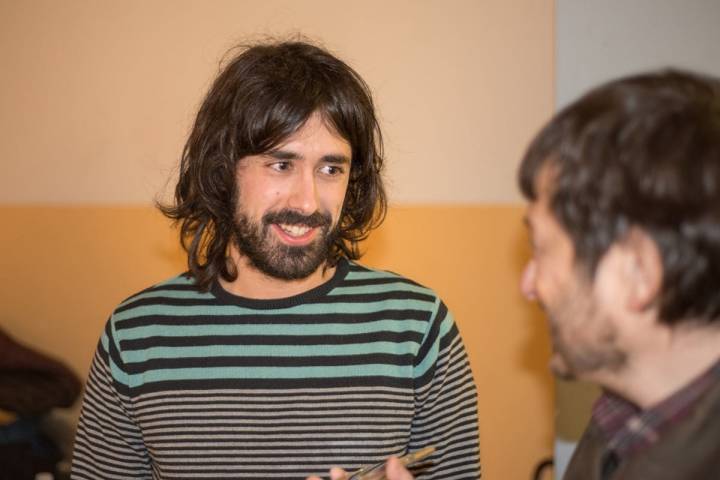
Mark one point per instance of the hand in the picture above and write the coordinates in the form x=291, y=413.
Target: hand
x=394, y=470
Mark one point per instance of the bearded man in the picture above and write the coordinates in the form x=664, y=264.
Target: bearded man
x=277, y=355
x=624, y=216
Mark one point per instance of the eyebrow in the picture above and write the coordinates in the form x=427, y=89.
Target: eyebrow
x=288, y=155
x=336, y=159
x=283, y=155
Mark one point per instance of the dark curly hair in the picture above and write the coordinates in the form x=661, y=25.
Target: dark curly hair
x=641, y=151
x=260, y=98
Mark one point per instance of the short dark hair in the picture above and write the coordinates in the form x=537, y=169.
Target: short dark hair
x=642, y=151
x=260, y=98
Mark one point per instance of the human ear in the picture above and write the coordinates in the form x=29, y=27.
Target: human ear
x=644, y=268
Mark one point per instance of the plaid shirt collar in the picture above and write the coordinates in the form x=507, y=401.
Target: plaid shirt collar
x=629, y=429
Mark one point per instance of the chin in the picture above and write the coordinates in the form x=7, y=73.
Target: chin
x=560, y=368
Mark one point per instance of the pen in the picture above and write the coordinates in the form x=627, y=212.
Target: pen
x=377, y=471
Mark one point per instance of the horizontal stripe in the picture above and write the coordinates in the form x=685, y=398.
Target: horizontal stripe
x=396, y=362
x=191, y=299
x=227, y=310
x=266, y=330
x=279, y=319
x=378, y=393
x=297, y=373
x=186, y=384
x=188, y=292
x=358, y=281
x=221, y=341
x=271, y=351
x=269, y=383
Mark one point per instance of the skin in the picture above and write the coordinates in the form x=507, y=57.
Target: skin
x=583, y=333
x=606, y=329
x=394, y=470
x=307, y=173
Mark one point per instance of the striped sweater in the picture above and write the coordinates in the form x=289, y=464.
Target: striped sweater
x=186, y=384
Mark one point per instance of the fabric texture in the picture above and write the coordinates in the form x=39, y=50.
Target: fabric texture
x=678, y=439
x=186, y=384
x=630, y=429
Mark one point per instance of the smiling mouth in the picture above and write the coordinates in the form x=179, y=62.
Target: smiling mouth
x=294, y=230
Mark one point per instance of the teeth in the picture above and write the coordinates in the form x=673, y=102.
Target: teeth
x=295, y=230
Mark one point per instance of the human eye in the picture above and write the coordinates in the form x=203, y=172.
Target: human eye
x=532, y=239
x=332, y=170
x=534, y=244
x=280, y=165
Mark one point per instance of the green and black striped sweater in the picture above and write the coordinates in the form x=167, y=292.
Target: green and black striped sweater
x=186, y=384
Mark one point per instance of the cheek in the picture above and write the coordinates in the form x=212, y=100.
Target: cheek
x=611, y=288
x=333, y=199
x=548, y=284
x=258, y=196
x=556, y=276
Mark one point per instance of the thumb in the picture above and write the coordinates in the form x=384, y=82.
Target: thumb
x=337, y=474
x=396, y=471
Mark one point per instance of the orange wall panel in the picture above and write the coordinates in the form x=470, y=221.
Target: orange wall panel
x=65, y=268
x=472, y=256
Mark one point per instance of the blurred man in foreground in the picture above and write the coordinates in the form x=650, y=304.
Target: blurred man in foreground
x=624, y=216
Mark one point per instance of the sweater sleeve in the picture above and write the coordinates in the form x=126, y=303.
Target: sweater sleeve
x=108, y=442
x=445, y=404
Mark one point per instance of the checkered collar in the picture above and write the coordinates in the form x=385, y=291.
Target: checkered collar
x=628, y=429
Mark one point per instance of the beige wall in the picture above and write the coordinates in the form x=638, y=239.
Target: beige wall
x=98, y=95
x=97, y=99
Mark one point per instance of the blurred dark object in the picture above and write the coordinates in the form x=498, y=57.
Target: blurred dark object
x=16, y=461
x=545, y=465
x=25, y=450
x=32, y=383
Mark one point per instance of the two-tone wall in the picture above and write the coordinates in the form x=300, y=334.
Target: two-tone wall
x=98, y=96
x=598, y=41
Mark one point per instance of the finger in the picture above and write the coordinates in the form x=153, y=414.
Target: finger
x=396, y=471
x=337, y=473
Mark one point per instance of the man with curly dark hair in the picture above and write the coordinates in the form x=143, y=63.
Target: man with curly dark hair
x=277, y=355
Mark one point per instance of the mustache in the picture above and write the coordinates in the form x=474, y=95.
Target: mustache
x=291, y=217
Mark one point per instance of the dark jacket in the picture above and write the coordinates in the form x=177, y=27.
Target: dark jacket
x=688, y=450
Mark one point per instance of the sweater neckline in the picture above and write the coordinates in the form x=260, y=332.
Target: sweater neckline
x=341, y=271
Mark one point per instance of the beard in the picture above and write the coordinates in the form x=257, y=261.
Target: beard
x=270, y=256
x=584, y=338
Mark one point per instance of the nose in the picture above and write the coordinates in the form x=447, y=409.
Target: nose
x=528, y=280
x=304, y=195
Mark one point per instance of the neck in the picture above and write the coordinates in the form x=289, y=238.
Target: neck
x=252, y=283
x=668, y=361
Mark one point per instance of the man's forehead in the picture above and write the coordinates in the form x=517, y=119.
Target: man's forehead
x=316, y=128
x=539, y=217
x=544, y=183
x=545, y=180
